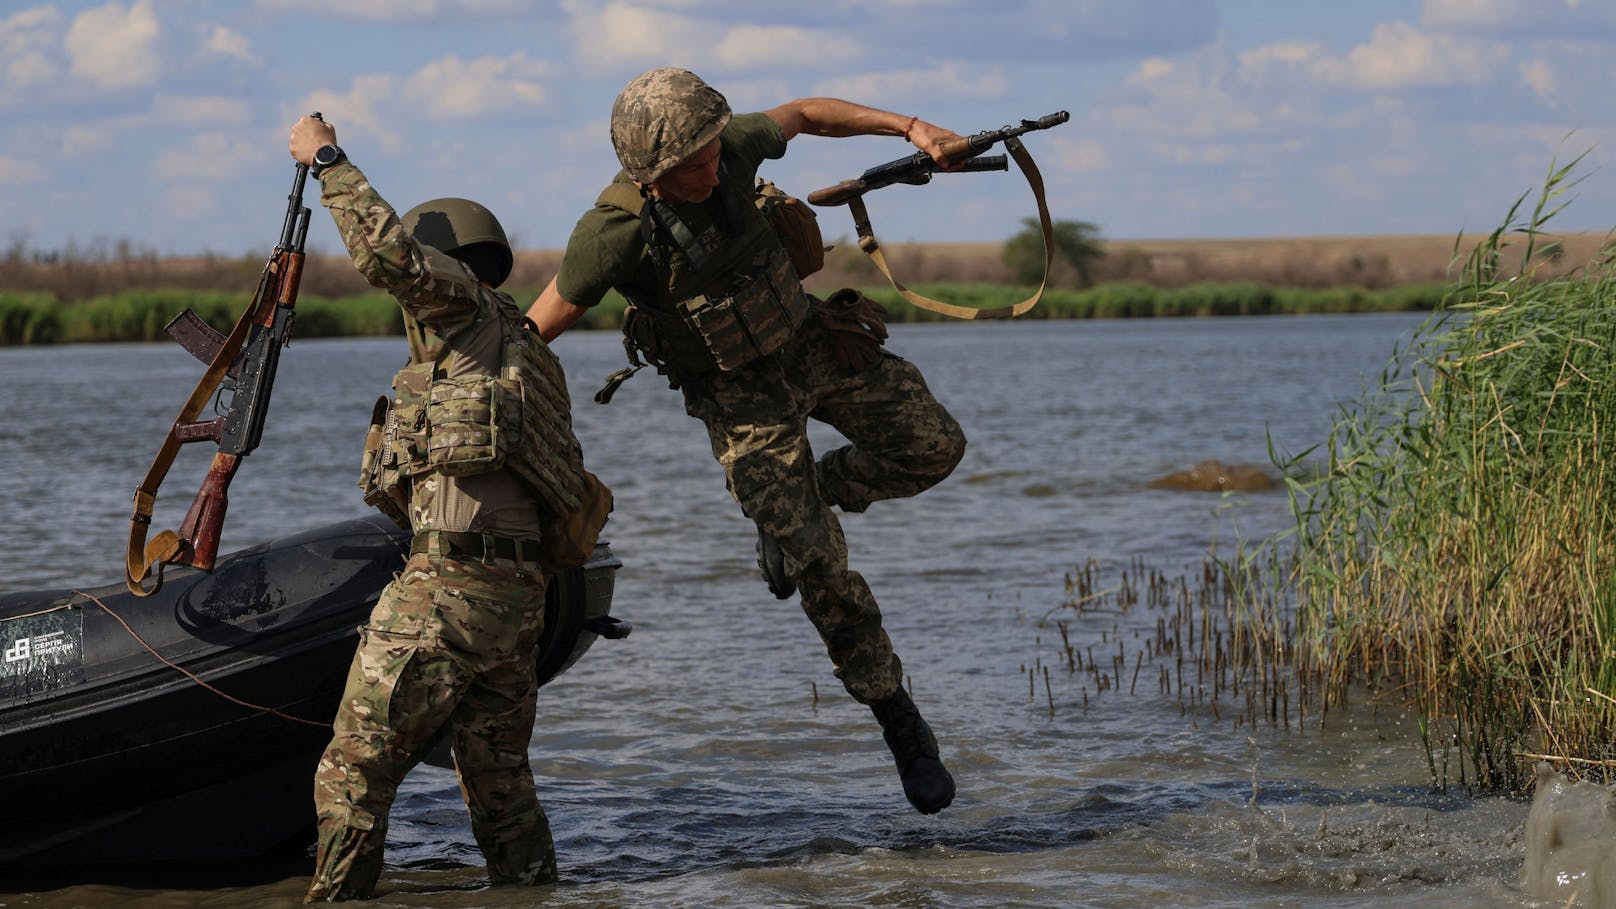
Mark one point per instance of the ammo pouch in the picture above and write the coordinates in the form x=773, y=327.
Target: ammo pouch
x=755, y=317
x=471, y=424
x=380, y=480
x=796, y=225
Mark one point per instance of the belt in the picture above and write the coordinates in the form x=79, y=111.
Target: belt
x=484, y=547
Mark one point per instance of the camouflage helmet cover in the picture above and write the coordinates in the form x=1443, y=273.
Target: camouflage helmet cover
x=465, y=230
x=661, y=118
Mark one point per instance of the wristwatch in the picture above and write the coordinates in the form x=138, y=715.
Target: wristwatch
x=327, y=156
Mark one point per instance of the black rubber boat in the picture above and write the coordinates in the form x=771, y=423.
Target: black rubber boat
x=109, y=754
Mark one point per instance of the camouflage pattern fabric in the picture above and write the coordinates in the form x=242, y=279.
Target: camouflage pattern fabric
x=449, y=645
x=902, y=441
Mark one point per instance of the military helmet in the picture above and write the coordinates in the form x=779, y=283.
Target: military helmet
x=465, y=230
x=663, y=117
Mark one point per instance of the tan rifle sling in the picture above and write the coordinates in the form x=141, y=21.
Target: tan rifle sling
x=1035, y=180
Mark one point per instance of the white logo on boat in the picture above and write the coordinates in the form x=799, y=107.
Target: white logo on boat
x=40, y=645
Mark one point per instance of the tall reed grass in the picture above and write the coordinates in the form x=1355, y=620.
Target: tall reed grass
x=1458, y=551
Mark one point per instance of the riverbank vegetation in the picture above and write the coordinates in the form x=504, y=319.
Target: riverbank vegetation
x=120, y=293
x=1454, y=546
x=139, y=315
x=1460, y=549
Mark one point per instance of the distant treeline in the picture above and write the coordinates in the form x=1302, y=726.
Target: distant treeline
x=139, y=315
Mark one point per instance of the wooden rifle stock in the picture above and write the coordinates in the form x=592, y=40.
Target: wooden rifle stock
x=838, y=194
x=199, y=532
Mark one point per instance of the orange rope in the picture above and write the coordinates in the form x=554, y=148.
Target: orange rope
x=191, y=675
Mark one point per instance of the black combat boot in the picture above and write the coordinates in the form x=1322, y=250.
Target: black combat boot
x=926, y=782
x=773, y=564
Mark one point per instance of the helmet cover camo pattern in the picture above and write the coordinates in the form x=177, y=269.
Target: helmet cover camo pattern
x=661, y=118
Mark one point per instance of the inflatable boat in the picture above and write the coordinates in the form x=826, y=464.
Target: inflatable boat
x=187, y=724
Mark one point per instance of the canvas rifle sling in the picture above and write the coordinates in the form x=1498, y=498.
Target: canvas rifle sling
x=141, y=557
x=1035, y=180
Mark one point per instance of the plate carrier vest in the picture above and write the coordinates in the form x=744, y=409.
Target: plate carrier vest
x=721, y=304
x=519, y=420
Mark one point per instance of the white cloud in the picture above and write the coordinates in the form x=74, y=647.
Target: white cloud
x=618, y=34
x=1199, y=96
x=761, y=47
x=1081, y=155
x=1293, y=86
x=1448, y=13
x=27, y=40
x=210, y=157
x=83, y=139
x=1539, y=76
x=1399, y=55
x=951, y=80
x=19, y=171
x=1572, y=79
x=398, y=10
x=197, y=110
x=222, y=41
x=368, y=10
x=190, y=202
x=470, y=89
x=1517, y=18
x=359, y=108
x=114, y=46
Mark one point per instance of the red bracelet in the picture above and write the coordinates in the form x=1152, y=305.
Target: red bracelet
x=906, y=129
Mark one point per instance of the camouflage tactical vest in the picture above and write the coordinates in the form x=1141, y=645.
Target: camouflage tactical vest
x=726, y=298
x=518, y=420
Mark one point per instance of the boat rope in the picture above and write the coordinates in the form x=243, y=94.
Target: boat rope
x=191, y=675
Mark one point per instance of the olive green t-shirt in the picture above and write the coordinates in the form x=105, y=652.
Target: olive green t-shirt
x=606, y=249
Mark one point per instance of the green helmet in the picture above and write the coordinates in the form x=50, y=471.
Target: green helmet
x=663, y=117
x=465, y=230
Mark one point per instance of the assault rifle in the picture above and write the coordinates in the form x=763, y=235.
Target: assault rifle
x=241, y=368
x=962, y=153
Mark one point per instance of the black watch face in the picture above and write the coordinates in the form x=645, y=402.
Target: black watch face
x=327, y=155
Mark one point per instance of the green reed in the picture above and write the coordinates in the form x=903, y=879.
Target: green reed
x=139, y=315
x=1453, y=553
x=1124, y=300
x=1457, y=549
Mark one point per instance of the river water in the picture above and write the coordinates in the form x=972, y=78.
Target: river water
x=711, y=759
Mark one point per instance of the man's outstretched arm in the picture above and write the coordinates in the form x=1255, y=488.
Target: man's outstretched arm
x=553, y=314
x=836, y=118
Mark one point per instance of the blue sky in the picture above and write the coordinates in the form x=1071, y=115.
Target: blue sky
x=164, y=123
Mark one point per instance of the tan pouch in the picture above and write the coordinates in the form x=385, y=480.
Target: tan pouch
x=567, y=540
x=797, y=226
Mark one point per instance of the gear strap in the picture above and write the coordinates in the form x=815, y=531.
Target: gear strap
x=1035, y=180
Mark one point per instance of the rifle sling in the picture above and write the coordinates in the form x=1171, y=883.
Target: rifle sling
x=1035, y=180
x=141, y=557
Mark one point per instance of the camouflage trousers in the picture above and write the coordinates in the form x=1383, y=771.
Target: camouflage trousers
x=901, y=442
x=449, y=646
